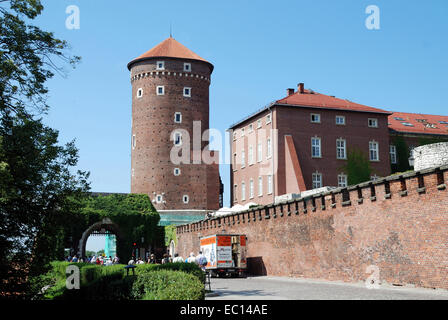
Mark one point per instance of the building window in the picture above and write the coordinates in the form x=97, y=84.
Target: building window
x=177, y=138
x=178, y=117
x=187, y=92
x=234, y=162
x=235, y=192
x=260, y=186
x=259, y=152
x=315, y=148
x=373, y=151
x=373, y=123
x=160, y=90
x=134, y=141
x=159, y=198
x=160, y=65
x=342, y=180
x=393, y=154
x=268, y=148
x=243, y=159
x=243, y=191
x=340, y=120
x=251, y=128
x=258, y=123
x=269, y=184
x=176, y=172
x=242, y=132
x=139, y=93
x=341, y=149
x=315, y=118
x=234, y=135
x=186, y=198
x=187, y=67
x=251, y=155
x=268, y=119
x=251, y=189
x=133, y=172
x=317, y=180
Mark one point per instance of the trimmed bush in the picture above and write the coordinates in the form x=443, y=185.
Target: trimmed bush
x=167, y=285
x=191, y=268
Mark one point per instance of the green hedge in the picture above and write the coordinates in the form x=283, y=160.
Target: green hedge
x=183, y=281
x=191, y=268
x=167, y=285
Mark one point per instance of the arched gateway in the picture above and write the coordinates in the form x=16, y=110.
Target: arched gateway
x=100, y=227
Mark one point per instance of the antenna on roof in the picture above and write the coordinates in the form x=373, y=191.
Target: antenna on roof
x=171, y=32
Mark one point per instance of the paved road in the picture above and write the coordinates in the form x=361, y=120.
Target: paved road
x=279, y=288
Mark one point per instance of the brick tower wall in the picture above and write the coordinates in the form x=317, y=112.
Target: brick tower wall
x=153, y=125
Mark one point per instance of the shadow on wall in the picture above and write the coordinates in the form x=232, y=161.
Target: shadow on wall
x=256, y=267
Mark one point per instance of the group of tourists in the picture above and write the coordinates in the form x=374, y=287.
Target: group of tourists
x=99, y=260
x=200, y=259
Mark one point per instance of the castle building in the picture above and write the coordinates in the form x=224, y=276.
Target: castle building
x=301, y=142
x=170, y=119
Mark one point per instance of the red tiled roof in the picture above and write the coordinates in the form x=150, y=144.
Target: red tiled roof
x=169, y=48
x=318, y=100
x=418, y=123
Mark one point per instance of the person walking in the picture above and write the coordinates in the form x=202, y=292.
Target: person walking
x=191, y=258
x=177, y=258
x=201, y=260
x=152, y=259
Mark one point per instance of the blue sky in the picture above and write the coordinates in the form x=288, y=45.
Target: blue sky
x=258, y=48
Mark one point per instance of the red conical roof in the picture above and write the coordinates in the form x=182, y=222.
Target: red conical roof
x=169, y=48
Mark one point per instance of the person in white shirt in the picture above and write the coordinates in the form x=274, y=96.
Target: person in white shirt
x=177, y=258
x=191, y=258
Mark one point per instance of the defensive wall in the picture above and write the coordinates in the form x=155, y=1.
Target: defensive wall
x=398, y=223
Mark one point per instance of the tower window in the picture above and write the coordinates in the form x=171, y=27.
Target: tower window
x=160, y=90
x=134, y=142
x=160, y=65
x=373, y=123
x=177, y=138
x=176, y=172
x=159, y=198
x=186, y=198
x=187, y=67
x=187, y=92
x=139, y=93
x=178, y=117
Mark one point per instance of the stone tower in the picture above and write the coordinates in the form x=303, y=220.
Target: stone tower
x=170, y=93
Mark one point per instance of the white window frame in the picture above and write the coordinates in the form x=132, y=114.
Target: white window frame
x=342, y=180
x=175, y=117
x=159, y=198
x=250, y=155
x=133, y=141
x=185, y=67
x=372, y=122
x=242, y=132
x=268, y=118
x=187, y=197
x=393, y=154
x=251, y=188
x=258, y=123
x=315, y=147
x=317, y=180
x=315, y=115
x=341, y=149
x=259, y=152
x=340, y=123
x=189, y=92
x=176, y=172
x=139, y=92
x=268, y=148
x=243, y=191
x=234, y=136
x=260, y=186
x=243, y=159
x=162, y=67
x=269, y=184
x=375, y=148
x=251, y=128
x=163, y=90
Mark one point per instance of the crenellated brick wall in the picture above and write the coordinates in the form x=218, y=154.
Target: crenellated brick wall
x=399, y=224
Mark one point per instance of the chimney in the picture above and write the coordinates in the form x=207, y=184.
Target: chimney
x=301, y=87
x=290, y=91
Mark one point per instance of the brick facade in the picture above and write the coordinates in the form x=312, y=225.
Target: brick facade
x=397, y=224
x=153, y=126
